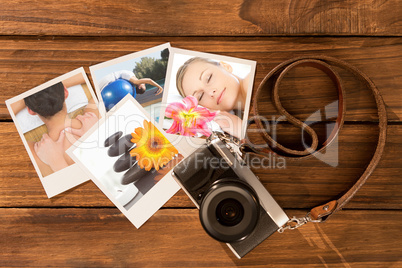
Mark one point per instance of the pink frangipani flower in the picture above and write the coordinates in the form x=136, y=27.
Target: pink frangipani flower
x=188, y=119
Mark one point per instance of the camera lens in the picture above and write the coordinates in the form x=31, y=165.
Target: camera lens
x=229, y=212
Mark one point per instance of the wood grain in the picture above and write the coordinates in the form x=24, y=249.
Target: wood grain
x=301, y=184
x=104, y=238
x=28, y=63
x=177, y=18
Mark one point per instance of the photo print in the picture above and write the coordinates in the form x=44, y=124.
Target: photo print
x=140, y=74
x=49, y=119
x=206, y=92
x=130, y=160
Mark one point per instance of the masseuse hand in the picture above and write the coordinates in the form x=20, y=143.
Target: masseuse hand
x=51, y=152
x=88, y=120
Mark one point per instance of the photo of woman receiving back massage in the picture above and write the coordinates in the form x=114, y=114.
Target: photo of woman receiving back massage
x=216, y=87
x=60, y=129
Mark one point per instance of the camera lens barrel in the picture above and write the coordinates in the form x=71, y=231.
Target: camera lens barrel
x=229, y=210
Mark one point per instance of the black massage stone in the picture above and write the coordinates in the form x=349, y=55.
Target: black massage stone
x=135, y=173
x=124, y=162
x=121, y=146
x=145, y=183
x=113, y=138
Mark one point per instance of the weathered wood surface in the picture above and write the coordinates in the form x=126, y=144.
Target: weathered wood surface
x=104, y=238
x=301, y=184
x=201, y=18
x=27, y=63
x=81, y=228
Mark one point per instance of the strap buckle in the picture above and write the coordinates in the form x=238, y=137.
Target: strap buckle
x=295, y=223
x=231, y=142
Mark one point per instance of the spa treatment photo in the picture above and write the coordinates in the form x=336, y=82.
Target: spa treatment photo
x=206, y=93
x=129, y=159
x=50, y=118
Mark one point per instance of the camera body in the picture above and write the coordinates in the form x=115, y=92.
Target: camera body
x=234, y=207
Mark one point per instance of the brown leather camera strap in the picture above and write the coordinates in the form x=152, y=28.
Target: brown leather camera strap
x=270, y=85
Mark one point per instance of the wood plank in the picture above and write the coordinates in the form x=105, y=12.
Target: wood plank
x=103, y=237
x=302, y=184
x=26, y=63
x=226, y=18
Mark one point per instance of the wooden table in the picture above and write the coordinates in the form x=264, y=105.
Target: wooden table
x=41, y=40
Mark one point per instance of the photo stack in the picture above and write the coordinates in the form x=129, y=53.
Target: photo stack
x=147, y=112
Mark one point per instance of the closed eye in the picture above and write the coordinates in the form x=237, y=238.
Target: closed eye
x=200, y=96
x=209, y=78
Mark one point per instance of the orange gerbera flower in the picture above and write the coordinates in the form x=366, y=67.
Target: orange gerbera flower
x=152, y=149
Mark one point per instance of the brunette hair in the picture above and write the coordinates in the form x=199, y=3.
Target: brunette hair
x=48, y=101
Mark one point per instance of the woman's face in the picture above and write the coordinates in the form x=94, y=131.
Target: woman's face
x=214, y=86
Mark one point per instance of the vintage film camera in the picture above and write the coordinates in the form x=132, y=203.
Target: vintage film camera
x=234, y=207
